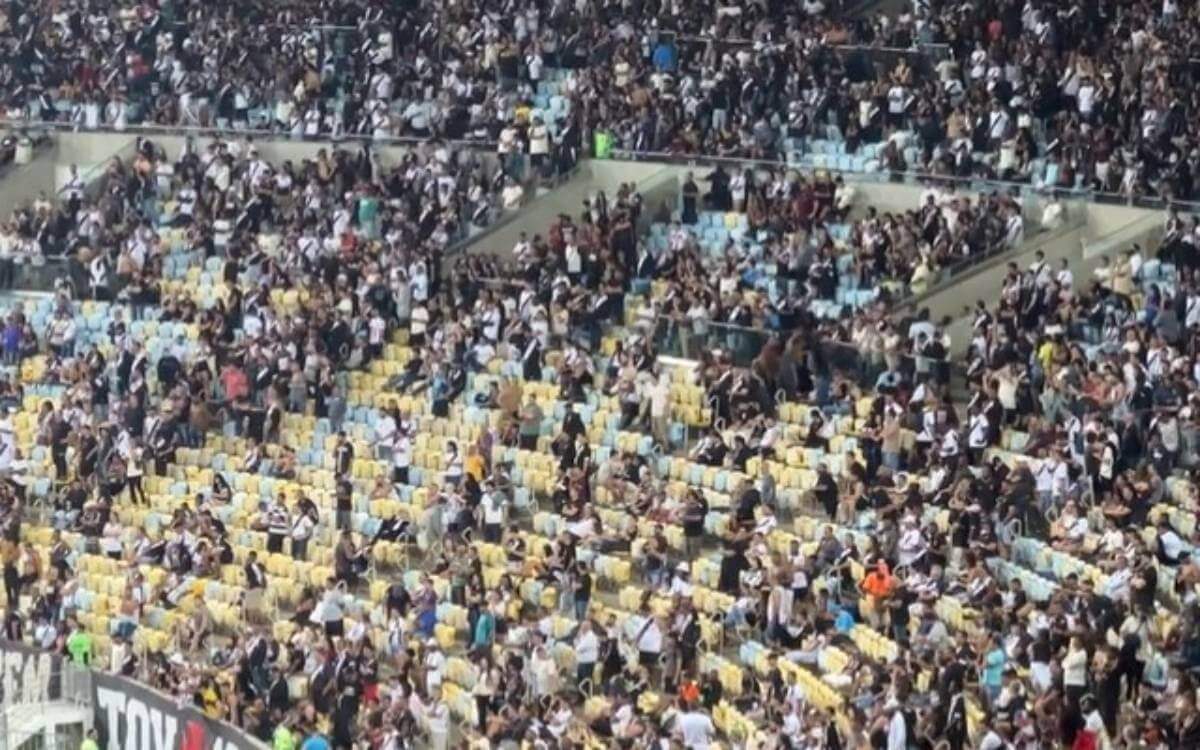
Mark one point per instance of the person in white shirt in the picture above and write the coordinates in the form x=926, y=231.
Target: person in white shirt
x=376, y=330
x=898, y=729
x=1075, y=670
x=133, y=473
x=695, y=729
x=680, y=585
x=1170, y=546
x=418, y=324
x=385, y=434
x=512, y=195
x=574, y=261
x=119, y=652
x=492, y=508
x=302, y=530
x=659, y=406
x=911, y=546
x=587, y=652
x=437, y=722
x=401, y=457
x=539, y=143
x=435, y=664
x=979, y=430
x=544, y=671
x=1085, y=98
x=649, y=643
x=62, y=335
x=419, y=285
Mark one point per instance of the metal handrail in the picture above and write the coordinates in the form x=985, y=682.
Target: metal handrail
x=977, y=184
x=708, y=160
x=241, y=134
x=915, y=48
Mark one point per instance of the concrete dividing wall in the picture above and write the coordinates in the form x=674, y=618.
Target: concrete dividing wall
x=959, y=297
x=659, y=185
x=659, y=188
x=1108, y=231
x=93, y=166
x=534, y=218
x=22, y=184
x=1145, y=230
x=984, y=282
x=1104, y=219
x=84, y=148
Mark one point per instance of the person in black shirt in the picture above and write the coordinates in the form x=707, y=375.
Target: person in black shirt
x=955, y=728
x=826, y=491
x=398, y=600
x=343, y=719
x=392, y=529
x=279, y=696
x=899, y=602
x=687, y=631
x=733, y=562
x=88, y=453
x=740, y=454
x=343, y=455
x=747, y=504
x=345, y=500
x=60, y=431
x=583, y=590
x=252, y=418
x=573, y=423
x=273, y=421
x=691, y=196
x=323, y=686
x=256, y=585
x=694, y=514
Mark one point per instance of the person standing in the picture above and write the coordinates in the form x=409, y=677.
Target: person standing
x=80, y=646
x=1075, y=672
x=279, y=525
x=691, y=200
x=12, y=576
x=256, y=586
x=531, y=424
x=344, y=502
x=343, y=455
x=493, y=512
x=695, y=728
x=587, y=652
x=582, y=590
x=401, y=457
x=302, y=530
x=133, y=472
x=437, y=722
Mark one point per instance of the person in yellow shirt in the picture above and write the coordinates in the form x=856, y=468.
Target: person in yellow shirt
x=209, y=696
x=1046, y=354
x=474, y=465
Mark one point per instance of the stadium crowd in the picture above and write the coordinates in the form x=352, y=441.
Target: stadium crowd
x=275, y=463
x=1088, y=95
x=269, y=449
